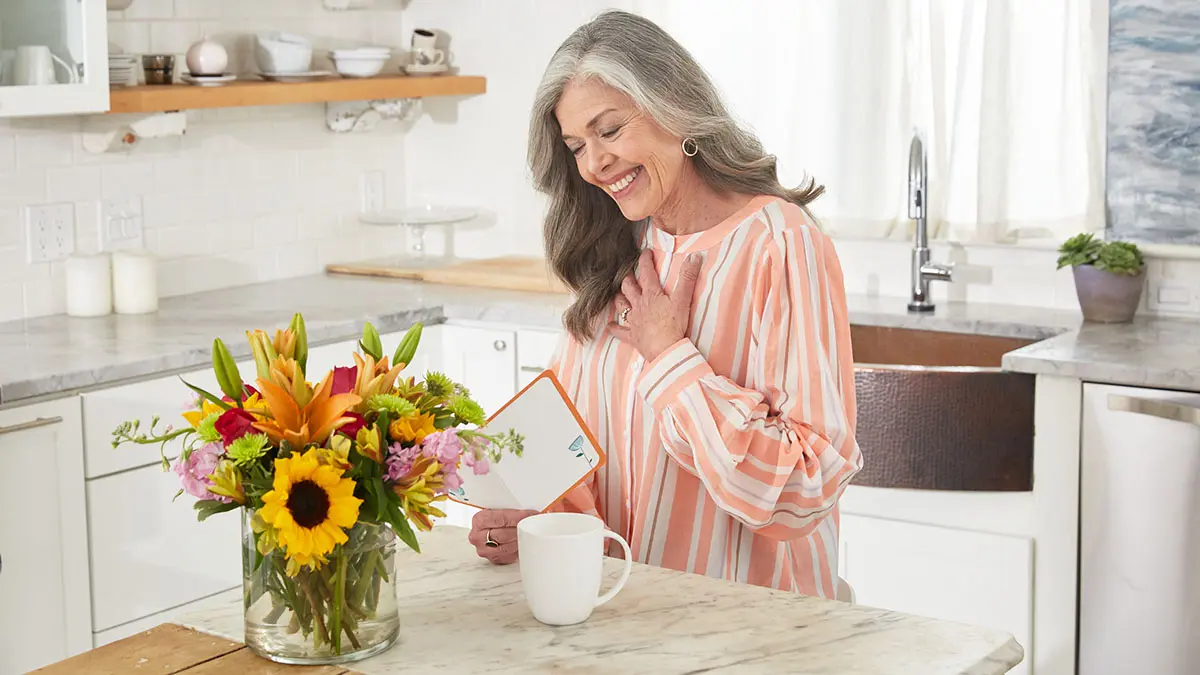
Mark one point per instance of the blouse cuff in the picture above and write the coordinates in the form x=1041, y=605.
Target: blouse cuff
x=663, y=378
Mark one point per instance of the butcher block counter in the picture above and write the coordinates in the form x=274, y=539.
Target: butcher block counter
x=459, y=614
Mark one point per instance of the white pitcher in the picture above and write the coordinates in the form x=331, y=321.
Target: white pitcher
x=34, y=65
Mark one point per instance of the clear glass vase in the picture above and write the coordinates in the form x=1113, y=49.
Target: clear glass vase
x=294, y=619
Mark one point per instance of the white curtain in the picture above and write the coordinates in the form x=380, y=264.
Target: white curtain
x=1008, y=95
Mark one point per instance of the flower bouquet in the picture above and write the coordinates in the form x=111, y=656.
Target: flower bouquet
x=327, y=477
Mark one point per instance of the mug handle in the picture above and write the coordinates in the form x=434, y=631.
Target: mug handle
x=72, y=76
x=441, y=56
x=612, y=593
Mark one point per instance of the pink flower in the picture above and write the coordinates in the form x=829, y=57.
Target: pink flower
x=444, y=446
x=478, y=464
x=343, y=380
x=194, y=473
x=400, y=461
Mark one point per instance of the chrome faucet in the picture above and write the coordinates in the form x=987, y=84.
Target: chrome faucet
x=923, y=271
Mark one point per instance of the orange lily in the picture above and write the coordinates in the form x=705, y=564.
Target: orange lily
x=374, y=377
x=419, y=490
x=303, y=423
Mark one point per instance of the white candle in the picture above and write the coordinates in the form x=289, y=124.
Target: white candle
x=135, y=282
x=89, y=285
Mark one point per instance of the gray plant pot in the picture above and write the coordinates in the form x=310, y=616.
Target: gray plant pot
x=1105, y=297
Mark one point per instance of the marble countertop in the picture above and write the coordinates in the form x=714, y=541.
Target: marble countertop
x=662, y=622
x=59, y=354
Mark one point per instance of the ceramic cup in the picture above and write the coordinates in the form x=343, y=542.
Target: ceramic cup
x=561, y=556
x=424, y=51
x=34, y=65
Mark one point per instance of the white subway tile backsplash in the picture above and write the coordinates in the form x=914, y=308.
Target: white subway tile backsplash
x=45, y=148
x=12, y=300
x=72, y=184
x=126, y=180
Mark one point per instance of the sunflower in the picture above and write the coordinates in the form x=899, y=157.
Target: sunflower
x=310, y=508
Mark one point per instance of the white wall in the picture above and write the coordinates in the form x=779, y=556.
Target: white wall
x=258, y=194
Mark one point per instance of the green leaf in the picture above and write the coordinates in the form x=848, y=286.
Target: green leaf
x=370, y=342
x=407, y=348
x=227, y=373
x=211, y=398
x=401, y=527
x=1119, y=257
x=206, y=508
x=1081, y=249
x=297, y=327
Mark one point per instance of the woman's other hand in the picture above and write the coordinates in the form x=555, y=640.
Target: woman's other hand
x=647, y=317
x=501, y=526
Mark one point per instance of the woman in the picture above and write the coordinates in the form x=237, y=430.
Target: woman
x=707, y=346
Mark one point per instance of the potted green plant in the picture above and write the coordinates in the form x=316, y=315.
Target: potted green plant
x=1109, y=277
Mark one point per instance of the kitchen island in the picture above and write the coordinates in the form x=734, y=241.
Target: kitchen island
x=460, y=614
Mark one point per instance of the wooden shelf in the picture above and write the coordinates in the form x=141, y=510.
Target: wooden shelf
x=169, y=97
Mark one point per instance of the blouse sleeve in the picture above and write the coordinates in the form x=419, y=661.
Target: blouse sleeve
x=778, y=454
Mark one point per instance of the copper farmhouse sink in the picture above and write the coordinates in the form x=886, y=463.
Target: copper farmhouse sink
x=935, y=411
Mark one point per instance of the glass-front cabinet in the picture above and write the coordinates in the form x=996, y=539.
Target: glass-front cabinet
x=53, y=57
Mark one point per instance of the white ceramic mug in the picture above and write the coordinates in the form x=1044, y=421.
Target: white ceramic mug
x=34, y=65
x=424, y=49
x=561, y=556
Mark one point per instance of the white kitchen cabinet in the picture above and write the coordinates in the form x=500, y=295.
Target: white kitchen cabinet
x=53, y=57
x=945, y=573
x=44, y=587
x=174, y=614
x=535, y=349
x=149, y=553
x=1139, y=552
x=482, y=359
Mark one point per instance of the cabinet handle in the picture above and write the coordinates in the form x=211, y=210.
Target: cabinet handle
x=25, y=426
x=532, y=369
x=1166, y=410
x=500, y=345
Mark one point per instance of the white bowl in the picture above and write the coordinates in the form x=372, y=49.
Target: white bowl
x=359, y=66
x=277, y=52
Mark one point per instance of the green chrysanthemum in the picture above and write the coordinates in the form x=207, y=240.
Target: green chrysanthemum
x=467, y=410
x=207, y=429
x=438, y=384
x=397, y=405
x=248, y=449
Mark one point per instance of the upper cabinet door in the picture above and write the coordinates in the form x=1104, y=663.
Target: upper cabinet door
x=53, y=57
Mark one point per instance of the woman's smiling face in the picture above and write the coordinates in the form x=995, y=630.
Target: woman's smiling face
x=618, y=148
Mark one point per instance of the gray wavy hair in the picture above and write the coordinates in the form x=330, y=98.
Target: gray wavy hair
x=589, y=244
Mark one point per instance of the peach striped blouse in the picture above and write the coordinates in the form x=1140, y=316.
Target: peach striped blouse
x=728, y=452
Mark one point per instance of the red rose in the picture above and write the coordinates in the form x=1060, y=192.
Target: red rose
x=351, y=428
x=344, y=379
x=233, y=424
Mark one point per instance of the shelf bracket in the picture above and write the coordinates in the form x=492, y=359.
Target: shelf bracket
x=344, y=117
x=115, y=133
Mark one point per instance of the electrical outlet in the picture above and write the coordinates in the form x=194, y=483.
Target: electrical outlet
x=121, y=224
x=50, y=231
x=373, y=198
x=1172, y=297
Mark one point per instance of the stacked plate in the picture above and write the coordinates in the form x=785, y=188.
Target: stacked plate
x=122, y=70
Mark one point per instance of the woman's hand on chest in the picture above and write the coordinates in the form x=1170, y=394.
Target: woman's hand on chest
x=647, y=316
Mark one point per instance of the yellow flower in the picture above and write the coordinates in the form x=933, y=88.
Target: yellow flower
x=337, y=454
x=419, y=490
x=207, y=407
x=374, y=377
x=369, y=444
x=310, y=507
x=227, y=482
x=267, y=539
x=412, y=429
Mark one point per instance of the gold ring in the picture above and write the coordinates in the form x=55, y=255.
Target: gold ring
x=488, y=541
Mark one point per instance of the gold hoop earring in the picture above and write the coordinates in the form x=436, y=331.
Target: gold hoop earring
x=690, y=147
